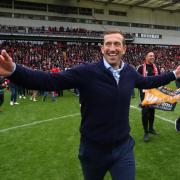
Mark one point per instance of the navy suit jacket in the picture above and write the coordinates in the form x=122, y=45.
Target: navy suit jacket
x=104, y=103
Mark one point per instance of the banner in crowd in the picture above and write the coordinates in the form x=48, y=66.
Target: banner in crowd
x=162, y=98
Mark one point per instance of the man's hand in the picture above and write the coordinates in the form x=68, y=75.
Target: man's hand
x=6, y=64
x=177, y=72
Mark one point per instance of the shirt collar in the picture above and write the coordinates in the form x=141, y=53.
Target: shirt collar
x=108, y=66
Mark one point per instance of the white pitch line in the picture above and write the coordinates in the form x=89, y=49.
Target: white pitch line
x=160, y=117
x=71, y=115
x=38, y=122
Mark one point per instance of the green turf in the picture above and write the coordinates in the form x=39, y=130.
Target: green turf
x=48, y=150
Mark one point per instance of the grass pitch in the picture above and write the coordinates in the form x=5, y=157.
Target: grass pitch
x=40, y=140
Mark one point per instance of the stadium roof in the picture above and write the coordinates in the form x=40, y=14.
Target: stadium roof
x=169, y=5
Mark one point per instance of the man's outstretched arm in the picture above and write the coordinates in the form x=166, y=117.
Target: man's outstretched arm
x=156, y=81
x=40, y=80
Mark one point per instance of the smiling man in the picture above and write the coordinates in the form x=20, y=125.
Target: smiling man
x=105, y=93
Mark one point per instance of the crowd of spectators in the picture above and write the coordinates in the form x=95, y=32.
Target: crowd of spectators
x=68, y=31
x=46, y=55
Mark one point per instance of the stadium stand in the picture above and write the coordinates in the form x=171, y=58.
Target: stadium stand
x=45, y=55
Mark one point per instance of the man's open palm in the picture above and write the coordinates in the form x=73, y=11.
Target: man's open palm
x=6, y=64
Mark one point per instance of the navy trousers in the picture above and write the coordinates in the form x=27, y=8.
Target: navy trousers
x=119, y=161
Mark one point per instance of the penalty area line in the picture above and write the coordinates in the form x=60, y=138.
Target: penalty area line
x=37, y=122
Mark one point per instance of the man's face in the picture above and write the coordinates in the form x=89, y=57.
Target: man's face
x=150, y=57
x=113, y=49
